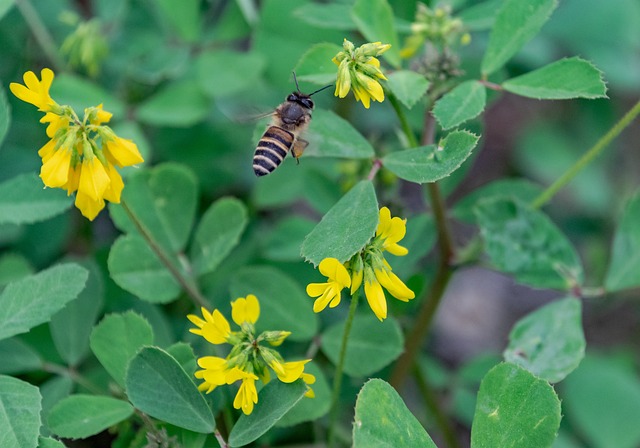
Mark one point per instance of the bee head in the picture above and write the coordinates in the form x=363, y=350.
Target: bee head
x=301, y=99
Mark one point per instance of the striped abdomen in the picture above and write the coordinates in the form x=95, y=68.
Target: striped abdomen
x=272, y=149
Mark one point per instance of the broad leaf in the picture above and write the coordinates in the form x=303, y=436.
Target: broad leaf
x=549, y=342
x=515, y=409
x=431, y=163
x=180, y=104
x=80, y=416
x=5, y=6
x=18, y=357
x=217, y=82
x=48, y=442
x=283, y=241
x=116, y=340
x=274, y=400
x=463, y=103
x=374, y=19
x=159, y=386
x=80, y=93
x=316, y=65
x=408, y=86
x=24, y=200
x=383, y=420
x=346, y=228
x=19, y=413
x=326, y=15
x=564, y=79
x=372, y=344
x=284, y=305
x=524, y=242
x=5, y=109
x=34, y=299
x=624, y=267
x=332, y=136
x=516, y=23
x=13, y=267
x=184, y=17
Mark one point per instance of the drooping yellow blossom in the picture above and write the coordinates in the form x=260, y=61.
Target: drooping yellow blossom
x=247, y=395
x=81, y=154
x=391, y=230
x=359, y=70
x=328, y=293
x=214, y=328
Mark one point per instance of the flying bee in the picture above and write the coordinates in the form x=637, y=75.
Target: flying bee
x=289, y=121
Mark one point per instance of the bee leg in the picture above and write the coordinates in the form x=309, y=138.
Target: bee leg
x=298, y=148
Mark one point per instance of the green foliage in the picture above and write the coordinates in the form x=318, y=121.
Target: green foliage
x=407, y=86
x=334, y=137
x=316, y=65
x=463, y=103
x=313, y=408
x=624, y=267
x=374, y=19
x=20, y=413
x=5, y=110
x=23, y=200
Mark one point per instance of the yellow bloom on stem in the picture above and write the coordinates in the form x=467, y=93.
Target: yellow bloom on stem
x=375, y=296
x=247, y=395
x=214, y=328
x=55, y=170
x=35, y=91
x=214, y=373
x=288, y=372
x=123, y=152
x=391, y=231
x=375, y=280
x=245, y=310
x=329, y=293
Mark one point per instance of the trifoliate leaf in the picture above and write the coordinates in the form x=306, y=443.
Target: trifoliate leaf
x=408, y=86
x=463, y=103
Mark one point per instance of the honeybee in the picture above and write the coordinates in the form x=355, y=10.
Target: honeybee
x=289, y=121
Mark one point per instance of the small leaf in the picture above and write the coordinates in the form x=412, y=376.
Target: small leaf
x=372, y=344
x=333, y=136
x=80, y=416
x=316, y=65
x=515, y=409
x=408, y=86
x=184, y=16
x=374, y=19
x=274, y=400
x=81, y=93
x=310, y=409
x=218, y=82
x=116, y=340
x=25, y=200
x=335, y=16
x=549, y=342
x=179, y=104
x=19, y=413
x=219, y=231
x=18, y=357
x=283, y=303
x=564, y=79
x=5, y=6
x=13, y=267
x=383, y=420
x=524, y=242
x=431, y=163
x=346, y=228
x=463, y=103
x=480, y=16
x=5, y=109
x=159, y=386
x=624, y=267
x=516, y=23
x=34, y=299
x=137, y=269
x=283, y=242
x=48, y=442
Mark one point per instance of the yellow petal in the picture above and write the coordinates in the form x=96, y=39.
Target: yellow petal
x=375, y=89
x=87, y=206
x=116, y=185
x=394, y=285
x=356, y=280
x=384, y=222
x=218, y=330
x=316, y=289
x=334, y=270
x=94, y=179
x=245, y=310
x=124, y=152
x=375, y=296
x=55, y=171
x=396, y=249
x=47, y=150
x=292, y=371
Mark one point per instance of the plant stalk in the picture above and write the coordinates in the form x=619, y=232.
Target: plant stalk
x=40, y=32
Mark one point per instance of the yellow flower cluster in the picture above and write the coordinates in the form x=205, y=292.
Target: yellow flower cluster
x=82, y=155
x=247, y=361
x=368, y=265
x=359, y=69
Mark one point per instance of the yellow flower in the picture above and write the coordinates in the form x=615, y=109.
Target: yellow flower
x=288, y=372
x=214, y=328
x=247, y=395
x=329, y=293
x=35, y=91
x=123, y=152
x=214, y=373
x=374, y=280
x=359, y=69
x=245, y=310
x=55, y=170
x=391, y=231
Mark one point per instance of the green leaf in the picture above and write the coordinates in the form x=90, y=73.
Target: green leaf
x=516, y=23
x=183, y=353
x=602, y=402
x=332, y=136
x=18, y=357
x=624, y=267
x=372, y=344
x=137, y=269
x=5, y=109
x=19, y=413
x=336, y=16
x=179, y=104
x=283, y=303
x=312, y=409
x=346, y=228
x=219, y=232
x=163, y=201
x=80, y=416
x=561, y=80
x=81, y=93
x=383, y=420
x=24, y=200
x=284, y=240
x=549, y=342
x=48, y=442
x=374, y=19
x=158, y=386
x=431, y=163
x=463, y=103
x=71, y=326
x=218, y=71
x=480, y=16
x=524, y=242
x=408, y=86
x=316, y=65
x=184, y=16
x=116, y=340
x=5, y=6
x=34, y=299
x=274, y=400
x=515, y=409
x=54, y=390
x=13, y=267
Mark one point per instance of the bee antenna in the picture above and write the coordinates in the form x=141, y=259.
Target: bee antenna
x=321, y=89
x=296, y=81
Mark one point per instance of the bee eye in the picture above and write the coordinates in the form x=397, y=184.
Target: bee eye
x=307, y=103
x=292, y=97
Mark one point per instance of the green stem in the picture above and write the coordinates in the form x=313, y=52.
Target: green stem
x=220, y=439
x=40, y=32
x=337, y=380
x=74, y=375
x=591, y=154
x=192, y=291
